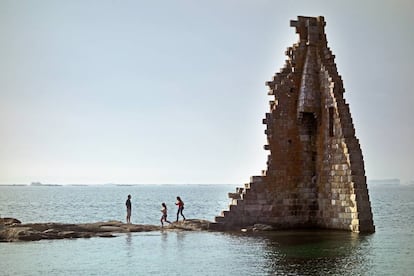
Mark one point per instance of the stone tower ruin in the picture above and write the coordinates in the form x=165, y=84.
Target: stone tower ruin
x=315, y=175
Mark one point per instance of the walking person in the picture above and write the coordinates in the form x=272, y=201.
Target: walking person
x=180, y=205
x=128, y=207
x=164, y=214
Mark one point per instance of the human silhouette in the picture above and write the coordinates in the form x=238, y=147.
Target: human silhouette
x=164, y=214
x=129, y=209
x=180, y=205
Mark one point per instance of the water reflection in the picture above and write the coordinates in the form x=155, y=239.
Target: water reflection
x=180, y=240
x=164, y=240
x=128, y=244
x=315, y=253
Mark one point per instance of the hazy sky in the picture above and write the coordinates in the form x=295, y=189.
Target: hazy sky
x=173, y=91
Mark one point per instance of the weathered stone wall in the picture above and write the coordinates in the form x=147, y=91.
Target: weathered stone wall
x=315, y=173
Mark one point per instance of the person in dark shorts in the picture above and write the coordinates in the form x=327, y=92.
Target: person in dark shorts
x=164, y=214
x=180, y=205
x=128, y=207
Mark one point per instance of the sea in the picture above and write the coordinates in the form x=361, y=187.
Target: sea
x=389, y=251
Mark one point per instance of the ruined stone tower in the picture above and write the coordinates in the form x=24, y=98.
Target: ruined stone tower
x=315, y=175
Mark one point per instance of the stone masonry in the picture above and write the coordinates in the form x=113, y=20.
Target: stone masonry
x=315, y=175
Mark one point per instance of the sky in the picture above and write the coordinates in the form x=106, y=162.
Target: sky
x=160, y=92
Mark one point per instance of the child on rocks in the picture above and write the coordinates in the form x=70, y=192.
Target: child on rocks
x=164, y=214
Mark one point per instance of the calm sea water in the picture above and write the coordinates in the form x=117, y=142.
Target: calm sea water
x=390, y=251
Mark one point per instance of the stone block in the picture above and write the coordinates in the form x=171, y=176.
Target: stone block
x=239, y=190
x=249, y=196
x=253, y=207
x=234, y=195
x=256, y=179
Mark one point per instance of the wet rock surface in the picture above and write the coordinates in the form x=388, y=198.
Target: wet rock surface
x=12, y=230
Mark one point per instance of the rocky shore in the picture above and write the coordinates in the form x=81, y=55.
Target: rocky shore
x=13, y=230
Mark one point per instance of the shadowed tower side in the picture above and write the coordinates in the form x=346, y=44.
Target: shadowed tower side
x=315, y=173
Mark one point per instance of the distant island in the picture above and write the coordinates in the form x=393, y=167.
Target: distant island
x=387, y=182
x=40, y=184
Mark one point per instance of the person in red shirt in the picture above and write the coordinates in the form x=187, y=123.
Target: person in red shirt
x=180, y=205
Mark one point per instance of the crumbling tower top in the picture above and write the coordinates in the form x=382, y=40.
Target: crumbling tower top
x=310, y=29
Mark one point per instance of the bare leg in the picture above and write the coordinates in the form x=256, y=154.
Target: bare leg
x=128, y=217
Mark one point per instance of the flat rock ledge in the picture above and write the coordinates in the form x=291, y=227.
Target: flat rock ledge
x=13, y=230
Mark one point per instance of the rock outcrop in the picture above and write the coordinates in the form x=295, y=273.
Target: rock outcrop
x=12, y=230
